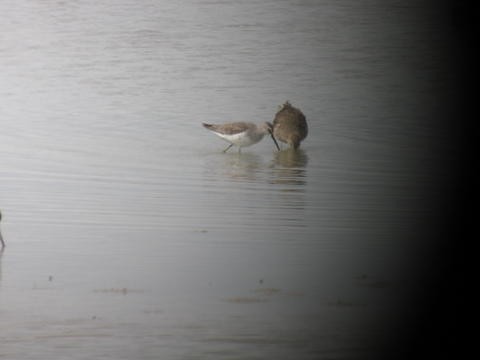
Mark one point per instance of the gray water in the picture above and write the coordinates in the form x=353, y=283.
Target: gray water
x=130, y=235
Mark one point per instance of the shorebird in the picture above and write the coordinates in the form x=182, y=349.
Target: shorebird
x=290, y=125
x=2, y=243
x=242, y=134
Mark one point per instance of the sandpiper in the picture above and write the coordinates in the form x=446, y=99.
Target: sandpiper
x=2, y=243
x=242, y=134
x=290, y=125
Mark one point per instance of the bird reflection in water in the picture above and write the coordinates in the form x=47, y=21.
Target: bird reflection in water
x=243, y=167
x=234, y=166
x=290, y=166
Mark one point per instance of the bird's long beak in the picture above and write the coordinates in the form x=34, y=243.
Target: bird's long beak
x=274, y=140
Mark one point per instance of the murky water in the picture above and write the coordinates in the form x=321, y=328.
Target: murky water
x=130, y=235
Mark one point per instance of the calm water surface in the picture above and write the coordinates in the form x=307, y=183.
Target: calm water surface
x=130, y=235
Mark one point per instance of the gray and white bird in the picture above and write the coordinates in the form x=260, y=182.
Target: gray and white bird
x=242, y=134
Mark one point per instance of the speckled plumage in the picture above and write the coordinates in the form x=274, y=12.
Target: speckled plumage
x=290, y=125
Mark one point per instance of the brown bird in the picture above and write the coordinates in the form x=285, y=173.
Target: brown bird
x=290, y=125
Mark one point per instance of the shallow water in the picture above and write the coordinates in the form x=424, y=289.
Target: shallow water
x=131, y=235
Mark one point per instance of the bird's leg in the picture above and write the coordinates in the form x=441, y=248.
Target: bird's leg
x=239, y=149
x=228, y=147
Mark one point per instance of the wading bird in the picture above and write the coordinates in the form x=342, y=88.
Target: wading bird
x=242, y=134
x=290, y=125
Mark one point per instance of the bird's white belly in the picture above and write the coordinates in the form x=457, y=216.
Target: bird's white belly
x=242, y=139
